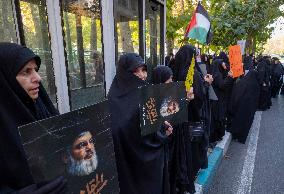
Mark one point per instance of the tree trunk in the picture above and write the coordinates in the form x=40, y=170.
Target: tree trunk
x=248, y=45
x=170, y=45
x=93, y=39
x=9, y=29
x=153, y=40
x=47, y=58
x=80, y=50
x=34, y=11
x=2, y=35
x=69, y=44
x=152, y=62
x=125, y=32
x=253, y=45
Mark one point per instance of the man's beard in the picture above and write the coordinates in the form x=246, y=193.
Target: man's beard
x=82, y=167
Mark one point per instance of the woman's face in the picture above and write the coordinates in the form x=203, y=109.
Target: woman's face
x=141, y=72
x=224, y=66
x=170, y=80
x=29, y=79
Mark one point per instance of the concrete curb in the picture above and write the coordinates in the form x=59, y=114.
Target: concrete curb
x=205, y=176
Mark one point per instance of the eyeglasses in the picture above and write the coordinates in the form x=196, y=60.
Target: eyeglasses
x=84, y=144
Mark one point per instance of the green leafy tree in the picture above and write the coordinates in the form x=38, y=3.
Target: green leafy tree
x=178, y=15
x=244, y=19
x=231, y=20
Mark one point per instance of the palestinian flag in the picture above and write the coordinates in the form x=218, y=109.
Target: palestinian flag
x=199, y=26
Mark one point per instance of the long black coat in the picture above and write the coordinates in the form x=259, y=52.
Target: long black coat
x=140, y=160
x=264, y=80
x=243, y=105
x=222, y=85
x=17, y=109
x=188, y=157
x=277, y=71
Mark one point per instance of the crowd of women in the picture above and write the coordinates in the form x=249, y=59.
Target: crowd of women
x=165, y=162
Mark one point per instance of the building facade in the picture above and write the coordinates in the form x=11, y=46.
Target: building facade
x=80, y=41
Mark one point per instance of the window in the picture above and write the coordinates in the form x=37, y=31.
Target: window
x=7, y=23
x=127, y=26
x=36, y=37
x=83, y=46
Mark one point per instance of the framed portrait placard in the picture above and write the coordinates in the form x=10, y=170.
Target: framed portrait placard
x=77, y=145
x=160, y=103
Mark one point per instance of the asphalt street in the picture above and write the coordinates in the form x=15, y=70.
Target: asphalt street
x=258, y=166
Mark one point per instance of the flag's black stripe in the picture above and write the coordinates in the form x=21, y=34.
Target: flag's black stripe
x=200, y=9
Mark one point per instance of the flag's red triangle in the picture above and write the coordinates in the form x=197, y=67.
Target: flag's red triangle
x=191, y=24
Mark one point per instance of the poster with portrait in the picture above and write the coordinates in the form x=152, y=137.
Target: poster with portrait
x=160, y=103
x=77, y=145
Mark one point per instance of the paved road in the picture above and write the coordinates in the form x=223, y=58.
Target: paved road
x=258, y=166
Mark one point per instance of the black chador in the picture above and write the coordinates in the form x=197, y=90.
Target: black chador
x=161, y=74
x=188, y=157
x=277, y=72
x=140, y=160
x=17, y=109
x=264, y=79
x=222, y=85
x=243, y=104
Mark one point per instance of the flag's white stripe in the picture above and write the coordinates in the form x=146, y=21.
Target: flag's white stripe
x=202, y=21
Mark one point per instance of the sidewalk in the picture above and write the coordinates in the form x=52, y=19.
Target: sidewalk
x=205, y=176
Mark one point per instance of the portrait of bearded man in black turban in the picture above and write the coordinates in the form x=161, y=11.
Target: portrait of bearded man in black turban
x=81, y=158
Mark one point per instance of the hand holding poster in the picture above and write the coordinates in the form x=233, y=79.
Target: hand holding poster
x=77, y=145
x=235, y=57
x=160, y=103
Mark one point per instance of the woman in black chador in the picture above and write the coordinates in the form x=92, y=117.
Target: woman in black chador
x=243, y=103
x=140, y=160
x=263, y=69
x=22, y=100
x=222, y=84
x=188, y=157
x=224, y=58
x=162, y=74
x=277, y=72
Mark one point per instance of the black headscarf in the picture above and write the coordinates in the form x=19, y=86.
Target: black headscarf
x=217, y=69
x=17, y=109
x=248, y=63
x=135, y=155
x=125, y=80
x=182, y=62
x=161, y=74
x=224, y=57
x=277, y=69
x=222, y=85
x=263, y=73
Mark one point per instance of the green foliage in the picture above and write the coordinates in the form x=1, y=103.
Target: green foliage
x=244, y=19
x=231, y=20
x=176, y=24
